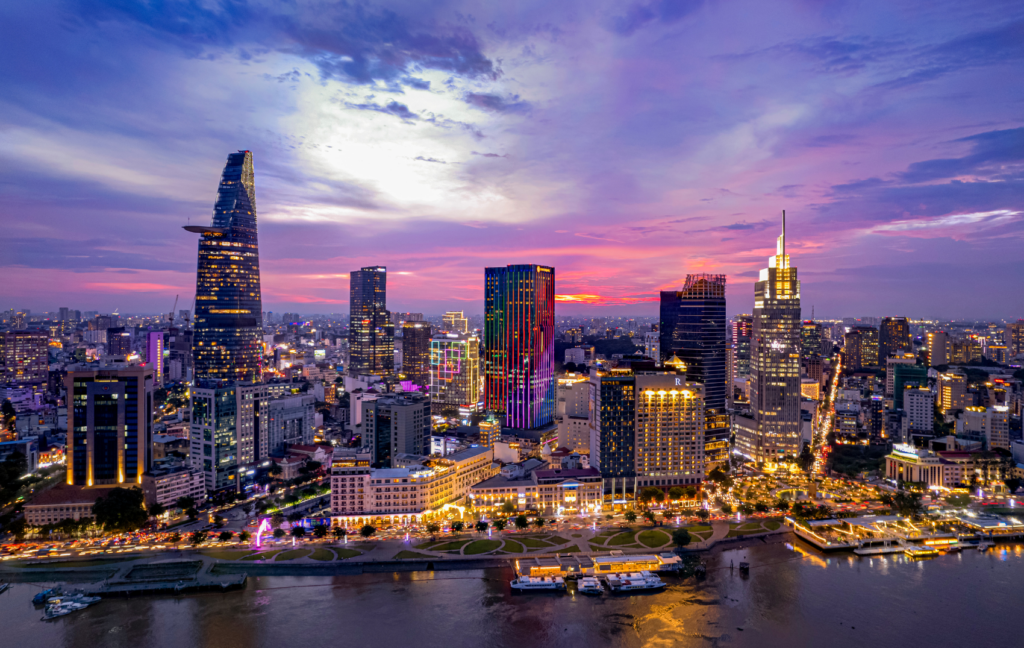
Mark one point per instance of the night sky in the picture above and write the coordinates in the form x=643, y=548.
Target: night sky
x=625, y=144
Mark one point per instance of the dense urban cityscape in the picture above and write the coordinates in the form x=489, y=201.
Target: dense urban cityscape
x=389, y=392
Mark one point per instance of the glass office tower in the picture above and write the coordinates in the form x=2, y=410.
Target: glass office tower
x=371, y=333
x=519, y=343
x=228, y=339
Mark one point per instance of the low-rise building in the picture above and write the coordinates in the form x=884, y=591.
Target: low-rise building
x=62, y=503
x=407, y=495
x=532, y=485
x=168, y=480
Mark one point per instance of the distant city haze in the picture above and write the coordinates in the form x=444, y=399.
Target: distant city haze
x=626, y=145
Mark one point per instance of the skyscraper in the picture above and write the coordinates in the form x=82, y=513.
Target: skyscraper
x=371, y=334
x=693, y=329
x=416, y=352
x=455, y=322
x=938, y=348
x=119, y=342
x=155, y=355
x=519, y=337
x=228, y=329
x=110, y=429
x=613, y=428
x=853, y=350
x=24, y=357
x=739, y=334
x=810, y=339
x=454, y=374
x=775, y=357
x=670, y=431
x=893, y=338
x=868, y=345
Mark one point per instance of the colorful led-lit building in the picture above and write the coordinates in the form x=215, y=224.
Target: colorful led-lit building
x=454, y=375
x=519, y=337
x=228, y=337
x=371, y=333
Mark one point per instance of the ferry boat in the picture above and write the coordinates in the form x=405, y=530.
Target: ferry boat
x=589, y=585
x=634, y=582
x=921, y=552
x=528, y=584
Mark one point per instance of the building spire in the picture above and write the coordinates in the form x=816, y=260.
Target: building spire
x=783, y=231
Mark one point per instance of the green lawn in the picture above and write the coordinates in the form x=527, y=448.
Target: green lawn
x=577, y=535
x=557, y=539
x=534, y=543
x=411, y=555
x=599, y=540
x=698, y=529
x=595, y=547
x=322, y=554
x=654, y=539
x=346, y=553
x=624, y=538
x=427, y=545
x=750, y=527
x=263, y=555
x=451, y=546
x=511, y=546
x=735, y=533
x=292, y=554
x=772, y=525
x=481, y=547
x=226, y=554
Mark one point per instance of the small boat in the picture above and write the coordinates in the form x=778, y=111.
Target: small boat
x=3, y=587
x=589, y=585
x=532, y=584
x=77, y=597
x=41, y=597
x=985, y=545
x=619, y=583
x=921, y=552
x=62, y=609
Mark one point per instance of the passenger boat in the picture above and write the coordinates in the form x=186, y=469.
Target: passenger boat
x=62, y=609
x=529, y=584
x=634, y=582
x=589, y=585
x=921, y=552
x=41, y=597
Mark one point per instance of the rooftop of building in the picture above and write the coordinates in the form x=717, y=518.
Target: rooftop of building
x=468, y=453
x=572, y=473
x=65, y=494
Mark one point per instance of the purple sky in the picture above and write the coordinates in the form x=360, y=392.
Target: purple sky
x=624, y=144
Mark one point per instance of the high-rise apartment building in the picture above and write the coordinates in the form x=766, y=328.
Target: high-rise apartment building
x=905, y=358
x=24, y=358
x=810, y=339
x=519, y=344
x=938, y=348
x=394, y=425
x=490, y=431
x=893, y=338
x=613, y=428
x=228, y=342
x=952, y=390
x=868, y=345
x=669, y=431
x=775, y=357
x=455, y=322
x=454, y=374
x=1014, y=338
x=416, y=339
x=990, y=425
x=740, y=330
x=853, y=350
x=371, y=333
x=110, y=425
x=693, y=329
x=290, y=421
x=119, y=342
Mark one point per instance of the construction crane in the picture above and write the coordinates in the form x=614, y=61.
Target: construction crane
x=188, y=316
x=170, y=316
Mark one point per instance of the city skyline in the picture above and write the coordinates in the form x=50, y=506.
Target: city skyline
x=895, y=149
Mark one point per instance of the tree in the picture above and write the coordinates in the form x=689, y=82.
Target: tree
x=294, y=516
x=746, y=509
x=320, y=531
x=339, y=532
x=1012, y=484
x=274, y=470
x=761, y=507
x=218, y=520
x=703, y=514
x=298, y=532
x=279, y=533
x=244, y=536
x=277, y=519
x=727, y=508
x=681, y=537
x=500, y=525
x=156, y=510
x=458, y=526
x=192, y=513
x=224, y=536
x=782, y=504
x=539, y=523
x=649, y=514
x=367, y=531
x=121, y=510
x=185, y=503
x=650, y=494
x=197, y=538
x=174, y=538
x=481, y=526
x=521, y=522
x=433, y=528
x=630, y=516
x=691, y=491
x=676, y=493
x=668, y=515
x=508, y=508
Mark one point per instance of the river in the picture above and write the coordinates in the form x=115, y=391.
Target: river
x=790, y=599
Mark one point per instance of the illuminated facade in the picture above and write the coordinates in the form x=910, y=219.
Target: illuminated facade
x=810, y=339
x=868, y=345
x=693, y=329
x=952, y=390
x=110, y=429
x=416, y=352
x=613, y=428
x=670, y=431
x=1014, y=338
x=893, y=338
x=519, y=337
x=455, y=322
x=371, y=333
x=775, y=357
x=454, y=374
x=229, y=429
x=228, y=331
x=739, y=346
x=24, y=358
x=155, y=354
x=938, y=348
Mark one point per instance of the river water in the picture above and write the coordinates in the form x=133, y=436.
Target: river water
x=791, y=598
